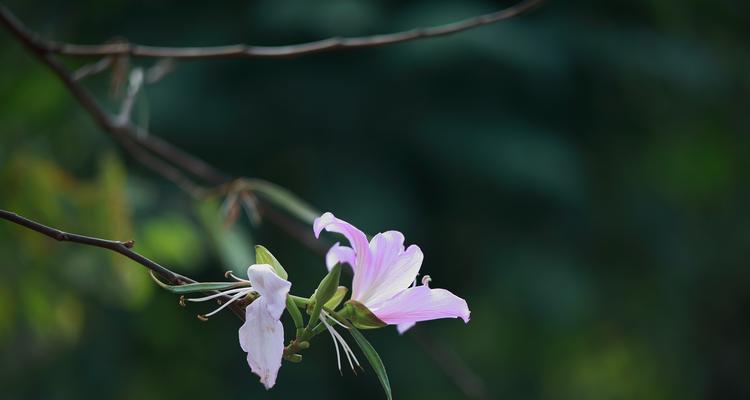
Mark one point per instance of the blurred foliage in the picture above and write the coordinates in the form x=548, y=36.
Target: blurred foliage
x=579, y=175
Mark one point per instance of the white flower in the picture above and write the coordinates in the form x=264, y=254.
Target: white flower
x=262, y=334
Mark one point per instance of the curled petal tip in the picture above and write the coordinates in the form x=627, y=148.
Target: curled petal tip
x=340, y=254
x=320, y=223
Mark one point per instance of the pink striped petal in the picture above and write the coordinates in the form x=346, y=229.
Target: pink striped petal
x=390, y=270
x=421, y=303
x=340, y=254
x=356, y=238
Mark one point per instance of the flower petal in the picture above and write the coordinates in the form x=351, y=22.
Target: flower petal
x=421, y=303
x=356, y=238
x=390, y=270
x=262, y=334
x=272, y=288
x=401, y=328
x=262, y=337
x=340, y=254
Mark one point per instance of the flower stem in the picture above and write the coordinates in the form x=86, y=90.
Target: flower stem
x=301, y=302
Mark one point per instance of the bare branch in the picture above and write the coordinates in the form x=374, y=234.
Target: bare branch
x=164, y=169
x=173, y=163
x=250, y=51
x=116, y=129
x=123, y=248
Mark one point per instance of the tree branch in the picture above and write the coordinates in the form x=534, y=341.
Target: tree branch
x=288, y=51
x=174, y=164
x=116, y=128
x=123, y=248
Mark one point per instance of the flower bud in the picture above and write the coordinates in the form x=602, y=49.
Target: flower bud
x=328, y=286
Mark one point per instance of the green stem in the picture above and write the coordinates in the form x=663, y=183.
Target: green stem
x=301, y=302
x=294, y=313
x=302, y=340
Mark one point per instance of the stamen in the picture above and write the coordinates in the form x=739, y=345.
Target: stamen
x=347, y=350
x=229, y=274
x=335, y=343
x=426, y=280
x=230, y=301
x=333, y=319
x=213, y=296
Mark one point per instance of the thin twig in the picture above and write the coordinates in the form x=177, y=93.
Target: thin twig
x=164, y=169
x=158, y=154
x=92, y=69
x=250, y=51
x=124, y=248
x=115, y=128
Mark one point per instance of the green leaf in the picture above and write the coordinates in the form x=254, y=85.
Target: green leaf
x=263, y=256
x=361, y=316
x=374, y=358
x=199, y=286
x=284, y=199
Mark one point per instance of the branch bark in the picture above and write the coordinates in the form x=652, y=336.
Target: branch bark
x=288, y=51
x=120, y=130
x=124, y=248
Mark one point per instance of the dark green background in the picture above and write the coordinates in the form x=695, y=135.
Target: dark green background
x=579, y=175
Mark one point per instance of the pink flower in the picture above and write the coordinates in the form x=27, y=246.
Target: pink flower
x=383, y=274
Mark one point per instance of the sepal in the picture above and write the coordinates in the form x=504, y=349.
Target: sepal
x=361, y=316
x=263, y=256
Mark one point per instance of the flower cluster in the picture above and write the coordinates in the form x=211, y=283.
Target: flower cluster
x=384, y=292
